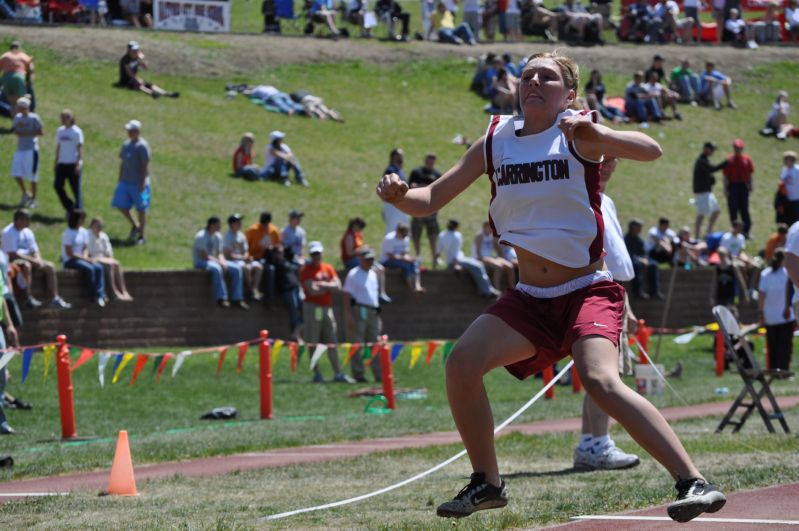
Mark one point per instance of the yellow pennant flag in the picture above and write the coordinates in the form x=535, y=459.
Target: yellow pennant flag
x=125, y=359
x=276, y=350
x=416, y=351
x=49, y=350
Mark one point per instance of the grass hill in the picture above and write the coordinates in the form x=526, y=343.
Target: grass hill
x=411, y=96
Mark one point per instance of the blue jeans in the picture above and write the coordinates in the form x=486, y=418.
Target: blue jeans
x=477, y=270
x=610, y=113
x=279, y=170
x=409, y=269
x=283, y=101
x=94, y=273
x=294, y=304
x=454, y=36
x=642, y=109
x=688, y=87
x=218, y=280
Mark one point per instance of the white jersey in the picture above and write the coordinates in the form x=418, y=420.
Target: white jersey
x=544, y=195
x=618, y=258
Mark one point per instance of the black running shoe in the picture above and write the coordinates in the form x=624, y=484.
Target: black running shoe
x=694, y=497
x=476, y=496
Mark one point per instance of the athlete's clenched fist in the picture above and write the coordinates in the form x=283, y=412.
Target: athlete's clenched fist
x=391, y=188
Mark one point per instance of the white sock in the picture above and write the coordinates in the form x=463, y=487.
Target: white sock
x=601, y=442
x=586, y=440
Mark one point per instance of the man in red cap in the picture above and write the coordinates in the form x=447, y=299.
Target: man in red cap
x=738, y=183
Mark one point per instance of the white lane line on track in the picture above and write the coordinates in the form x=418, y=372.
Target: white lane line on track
x=753, y=521
x=31, y=494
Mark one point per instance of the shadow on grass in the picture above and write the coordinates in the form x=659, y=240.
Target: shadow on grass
x=117, y=242
x=549, y=473
x=48, y=220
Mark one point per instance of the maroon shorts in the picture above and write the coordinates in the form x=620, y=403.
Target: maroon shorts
x=553, y=325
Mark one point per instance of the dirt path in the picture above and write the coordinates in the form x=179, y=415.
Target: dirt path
x=223, y=55
x=325, y=452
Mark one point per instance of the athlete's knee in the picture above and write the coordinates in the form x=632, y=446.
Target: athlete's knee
x=600, y=384
x=463, y=365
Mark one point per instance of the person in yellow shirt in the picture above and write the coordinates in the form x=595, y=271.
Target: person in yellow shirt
x=443, y=21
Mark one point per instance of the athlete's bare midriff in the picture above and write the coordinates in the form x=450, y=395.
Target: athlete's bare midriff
x=538, y=271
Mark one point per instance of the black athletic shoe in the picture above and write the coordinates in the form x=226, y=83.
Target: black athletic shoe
x=476, y=496
x=694, y=497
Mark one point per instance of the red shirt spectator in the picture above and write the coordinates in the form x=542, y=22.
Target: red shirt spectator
x=241, y=158
x=322, y=272
x=739, y=169
x=351, y=242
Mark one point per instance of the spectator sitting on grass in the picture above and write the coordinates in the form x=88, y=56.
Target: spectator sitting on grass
x=792, y=18
x=133, y=186
x=242, y=159
x=19, y=243
x=279, y=159
x=17, y=67
x=134, y=14
x=75, y=255
x=25, y=164
x=587, y=26
x=322, y=12
x=443, y=22
x=129, y=73
x=69, y=161
x=661, y=242
x=236, y=251
x=768, y=29
x=450, y=242
x=293, y=237
x=392, y=10
x=487, y=251
x=100, y=251
x=685, y=82
x=713, y=85
x=595, y=96
x=742, y=33
x=675, y=28
x=663, y=95
x=777, y=121
x=207, y=255
x=639, y=103
x=506, y=92
x=397, y=255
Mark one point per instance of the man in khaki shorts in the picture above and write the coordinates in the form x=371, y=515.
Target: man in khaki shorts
x=319, y=281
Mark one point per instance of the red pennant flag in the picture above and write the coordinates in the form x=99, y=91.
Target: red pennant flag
x=141, y=361
x=353, y=349
x=431, y=349
x=374, y=354
x=243, y=348
x=85, y=356
x=293, y=349
x=164, y=360
x=222, y=354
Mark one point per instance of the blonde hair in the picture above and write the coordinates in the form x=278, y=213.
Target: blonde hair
x=69, y=115
x=569, y=71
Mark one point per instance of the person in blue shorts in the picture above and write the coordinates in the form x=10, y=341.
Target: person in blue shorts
x=133, y=187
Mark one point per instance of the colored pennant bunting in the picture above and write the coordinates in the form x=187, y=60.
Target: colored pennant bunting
x=49, y=350
x=373, y=353
x=27, y=356
x=293, y=350
x=179, y=361
x=85, y=356
x=277, y=346
x=141, y=361
x=161, y=366
x=396, y=348
x=117, y=360
x=416, y=351
x=447, y=349
x=243, y=348
x=102, y=361
x=121, y=366
x=5, y=359
x=353, y=350
x=431, y=349
x=317, y=353
x=222, y=354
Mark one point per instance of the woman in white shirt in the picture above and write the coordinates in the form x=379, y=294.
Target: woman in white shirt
x=775, y=312
x=777, y=121
x=100, y=251
x=486, y=249
x=75, y=255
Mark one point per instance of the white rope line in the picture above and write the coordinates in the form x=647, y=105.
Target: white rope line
x=429, y=471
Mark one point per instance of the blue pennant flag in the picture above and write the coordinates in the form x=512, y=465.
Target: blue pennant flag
x=117, y=360
x=395, y=351
x=27, y=355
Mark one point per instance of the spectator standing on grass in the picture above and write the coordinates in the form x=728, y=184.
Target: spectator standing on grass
x=776, y=313
x=713, y=85
x=279, y=160
x=397, y=255
x=236, y=251
x=75, y=255
x=789, y=178
x=450, y=242
x=133, y=186
x=69, y=161
x=704, y=200
x=100, y=251
x=207, y=255
x=319, y=282
x=392, y=216
x=293, y=237
x=129, y=78
x=738, y=185
x=25, y=164
x=644, y=268
x=362, y=312
x=17, y=67
x=19, y=243
x=242, y=159
x=421, y=177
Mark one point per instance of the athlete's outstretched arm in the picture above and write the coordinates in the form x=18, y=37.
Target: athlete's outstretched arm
x=594, y=140
x=427, y=200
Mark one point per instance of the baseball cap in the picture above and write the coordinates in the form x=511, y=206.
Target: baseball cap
x=234, y=218
x=368, y=254
x=315, y=247
x=738, y=143
x=657, y=57
x=789, y=153
x=23, y=103
x=709, y=145
x=275, y=135
x=296, y=213
x=134, y=45
x=133, y=124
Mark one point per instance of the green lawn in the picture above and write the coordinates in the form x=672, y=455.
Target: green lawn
x=163, y=419
x=419, y=106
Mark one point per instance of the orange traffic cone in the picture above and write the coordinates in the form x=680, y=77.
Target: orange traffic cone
x=122, y=482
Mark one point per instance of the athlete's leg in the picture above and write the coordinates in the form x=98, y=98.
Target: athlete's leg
x=596, y=359
x=488, y=343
